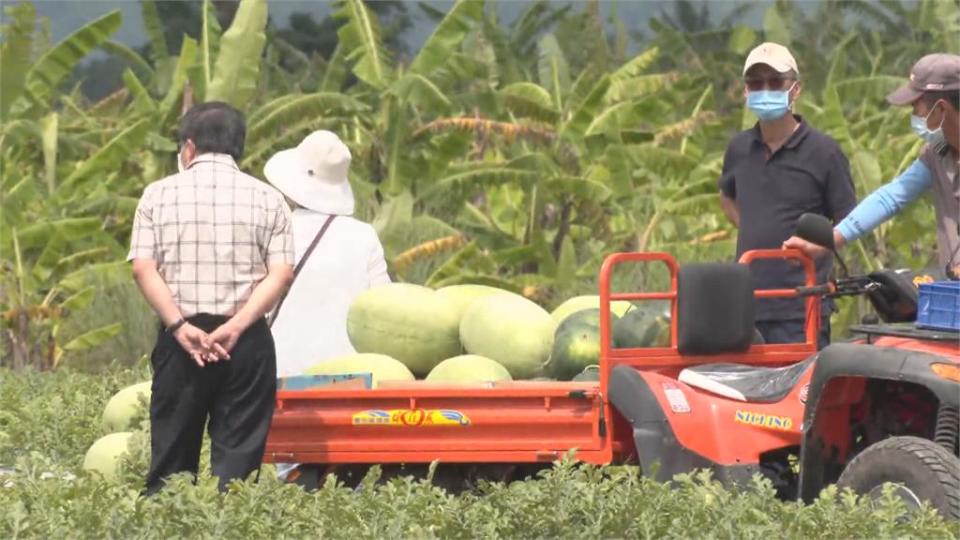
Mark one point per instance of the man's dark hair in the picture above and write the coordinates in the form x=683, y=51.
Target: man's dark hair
x=950, y=96
x=214, y=127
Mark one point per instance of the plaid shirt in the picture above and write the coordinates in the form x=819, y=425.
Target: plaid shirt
x=213, y=231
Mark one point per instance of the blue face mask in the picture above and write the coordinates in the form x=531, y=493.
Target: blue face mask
x=919, y=126
x=769, y=104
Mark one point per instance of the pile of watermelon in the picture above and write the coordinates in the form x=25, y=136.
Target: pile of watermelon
x=477, y=333
x=120, y=415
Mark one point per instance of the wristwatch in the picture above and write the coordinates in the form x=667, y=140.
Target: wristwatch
x=176, y=325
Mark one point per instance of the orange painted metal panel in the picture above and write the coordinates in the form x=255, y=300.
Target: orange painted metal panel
x=731, y=432
x=409, y=424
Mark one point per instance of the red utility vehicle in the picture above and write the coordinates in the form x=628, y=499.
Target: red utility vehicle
x=881, y=408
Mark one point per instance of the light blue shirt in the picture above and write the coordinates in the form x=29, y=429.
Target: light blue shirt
x=886, y=202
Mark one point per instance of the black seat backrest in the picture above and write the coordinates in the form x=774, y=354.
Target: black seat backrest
x=715, y=308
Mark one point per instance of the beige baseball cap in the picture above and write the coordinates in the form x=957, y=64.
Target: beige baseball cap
x=772, y=54
x=932, y=73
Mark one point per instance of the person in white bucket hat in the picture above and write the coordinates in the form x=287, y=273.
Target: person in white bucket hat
x=310, y=324
x=337, y=256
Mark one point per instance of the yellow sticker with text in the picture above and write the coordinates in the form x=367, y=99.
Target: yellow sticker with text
x=769, y=421
x=410, y=418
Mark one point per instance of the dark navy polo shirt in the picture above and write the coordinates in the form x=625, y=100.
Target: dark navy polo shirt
x=809, y=173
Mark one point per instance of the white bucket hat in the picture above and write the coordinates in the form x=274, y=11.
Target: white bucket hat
x=314, y=174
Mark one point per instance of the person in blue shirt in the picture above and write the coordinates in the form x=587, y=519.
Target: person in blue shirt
x=934, y=93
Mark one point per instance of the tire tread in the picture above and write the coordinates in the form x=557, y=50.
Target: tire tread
x=937, y=459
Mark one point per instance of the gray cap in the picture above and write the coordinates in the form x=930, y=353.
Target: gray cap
x=932, y=73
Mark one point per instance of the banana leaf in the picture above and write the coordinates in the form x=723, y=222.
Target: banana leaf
x=154, y=28
x=186, y=60
x=209, y=40
x=775, y=27
x=93, y=338
x=586, y=110
x=142, y=102
x=46, y=74
x=360, y=37
x=116, y=151
x=419, y=91
x=235, y=73
x=637, y=65
x=336, y=71
x=447, y=36
x=529, y=100
x=15, y=54
x=285, y=110
x=132, y=57
x=39, y=234
x=49, y=127
x=553, y=70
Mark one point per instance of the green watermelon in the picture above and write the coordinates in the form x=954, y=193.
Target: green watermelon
x=104, y=454
x=642, y=327
x=462, y=296
x=576, y=344
x=123, y=409
x=579, y=303
x=469, y=368
x=380, y=366
x=411, y=323
x=510, y=329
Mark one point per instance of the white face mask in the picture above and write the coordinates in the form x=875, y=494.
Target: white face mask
x=919, y=125
x=180, y=167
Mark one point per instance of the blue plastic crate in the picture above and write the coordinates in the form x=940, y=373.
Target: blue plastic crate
x=938, y=305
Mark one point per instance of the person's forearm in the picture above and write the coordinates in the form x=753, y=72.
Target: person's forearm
x=871, y=212
x=264, y=296
x=886, y=202
x=156, y=292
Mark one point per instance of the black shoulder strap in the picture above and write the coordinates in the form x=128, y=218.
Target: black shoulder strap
x=296, y=270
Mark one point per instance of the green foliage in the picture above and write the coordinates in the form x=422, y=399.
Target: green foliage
x=448, y=35
x=539, y=142
x=15, y=53
x=47, y=422
x=48, y=71
x=360, y=37
x=235, y=73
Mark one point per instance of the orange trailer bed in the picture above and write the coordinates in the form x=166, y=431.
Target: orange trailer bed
x=415, y=422
x=507, y=422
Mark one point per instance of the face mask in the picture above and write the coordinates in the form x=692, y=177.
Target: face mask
x=919, y=126
x=769, y=104
x=180, y=161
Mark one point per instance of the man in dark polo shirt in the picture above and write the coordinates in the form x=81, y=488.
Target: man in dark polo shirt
x=774, y=173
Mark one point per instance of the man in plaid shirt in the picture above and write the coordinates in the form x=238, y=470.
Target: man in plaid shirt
x=212, y=253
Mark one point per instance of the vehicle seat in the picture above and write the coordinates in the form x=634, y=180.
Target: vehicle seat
x=750, y=384
x=715, y=312
x=715, y=309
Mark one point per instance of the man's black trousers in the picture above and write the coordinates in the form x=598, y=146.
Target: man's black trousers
x=237, y=395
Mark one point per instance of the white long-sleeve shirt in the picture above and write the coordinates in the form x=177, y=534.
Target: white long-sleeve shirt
x=312, y=323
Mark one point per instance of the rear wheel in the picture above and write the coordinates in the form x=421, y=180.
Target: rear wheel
x=923, y=470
